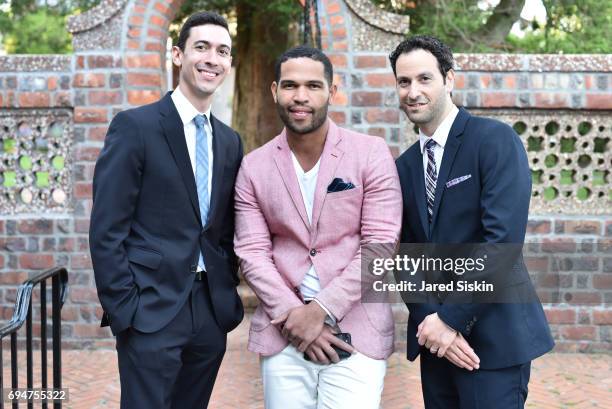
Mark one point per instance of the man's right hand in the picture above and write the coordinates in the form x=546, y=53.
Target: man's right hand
x=320, y=350
x=462, y=355
x=301, y=325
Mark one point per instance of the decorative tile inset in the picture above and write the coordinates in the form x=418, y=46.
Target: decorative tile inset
x=35, y=148
x=569, y=155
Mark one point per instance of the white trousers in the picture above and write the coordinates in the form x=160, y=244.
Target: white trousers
x=291, y=382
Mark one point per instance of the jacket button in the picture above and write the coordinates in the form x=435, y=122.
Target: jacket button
x=313, y=252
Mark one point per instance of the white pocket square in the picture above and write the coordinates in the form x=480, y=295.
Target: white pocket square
x=458, y=180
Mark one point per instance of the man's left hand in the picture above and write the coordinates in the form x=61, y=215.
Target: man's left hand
x=302, y=325
x=435, y=335
x=321, y=350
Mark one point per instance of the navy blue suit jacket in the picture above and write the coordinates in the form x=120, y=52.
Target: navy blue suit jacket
x=146, y=232
x=489, y=207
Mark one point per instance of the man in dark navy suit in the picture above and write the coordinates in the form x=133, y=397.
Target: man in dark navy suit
x=162, y=227
x=466, y=180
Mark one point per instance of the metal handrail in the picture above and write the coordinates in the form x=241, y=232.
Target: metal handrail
x=23, y=314
x=24, y=295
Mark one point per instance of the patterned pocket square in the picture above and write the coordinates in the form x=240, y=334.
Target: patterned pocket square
x=338, y=185
x=458, y=180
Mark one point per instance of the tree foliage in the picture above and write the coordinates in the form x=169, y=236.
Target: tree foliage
x=571, y=26
x=39, y=32
x=38, y=27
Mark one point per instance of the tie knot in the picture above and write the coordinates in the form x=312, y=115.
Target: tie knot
x=200, y=121
x=430, y=144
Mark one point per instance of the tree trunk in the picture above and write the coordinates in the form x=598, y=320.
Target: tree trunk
x=499, y=24
x=255, y=116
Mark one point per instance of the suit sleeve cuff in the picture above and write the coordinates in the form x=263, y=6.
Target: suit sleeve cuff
x=330, y=319
x=458, y=322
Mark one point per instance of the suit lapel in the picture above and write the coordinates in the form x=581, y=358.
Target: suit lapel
x=219, y=146
x=175, y=137
x=419, y=191
x=330, y=159
x=284, y=163
x=448, y=158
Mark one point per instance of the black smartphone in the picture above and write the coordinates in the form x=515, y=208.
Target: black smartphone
x=342, y=354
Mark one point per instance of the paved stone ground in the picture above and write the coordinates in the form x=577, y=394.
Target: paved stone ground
x=557, y=380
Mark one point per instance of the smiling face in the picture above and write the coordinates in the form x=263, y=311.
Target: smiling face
x=204, y=62
x=423, y=93
x=302, y=95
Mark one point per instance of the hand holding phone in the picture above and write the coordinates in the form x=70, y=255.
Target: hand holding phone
x=329, y=346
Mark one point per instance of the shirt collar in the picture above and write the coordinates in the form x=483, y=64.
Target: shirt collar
x=441, y=134
x=185, y=109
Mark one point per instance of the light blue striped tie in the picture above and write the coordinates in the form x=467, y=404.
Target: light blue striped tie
x=202, y=171
x=202, y=165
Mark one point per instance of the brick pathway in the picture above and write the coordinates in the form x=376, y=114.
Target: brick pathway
x=557, y=380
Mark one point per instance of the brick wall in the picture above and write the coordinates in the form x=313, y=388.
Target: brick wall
x=119, y=50
x=583, y=245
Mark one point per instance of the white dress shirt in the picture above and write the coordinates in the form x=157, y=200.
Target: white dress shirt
x=439, y=136
x=187, y=112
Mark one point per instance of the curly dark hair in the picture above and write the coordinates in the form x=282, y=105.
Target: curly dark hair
x=441, y=51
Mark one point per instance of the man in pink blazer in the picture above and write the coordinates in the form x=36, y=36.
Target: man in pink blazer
x=306, y=203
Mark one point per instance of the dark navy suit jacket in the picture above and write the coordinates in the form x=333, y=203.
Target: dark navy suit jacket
x=146, y=233
x=489, y=207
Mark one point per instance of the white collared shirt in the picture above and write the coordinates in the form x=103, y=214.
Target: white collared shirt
x=187, y=112
x=439, y=136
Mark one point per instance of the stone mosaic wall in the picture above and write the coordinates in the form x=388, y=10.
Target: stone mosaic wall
x=35, y=144
x=59, y=107
x=569, y=153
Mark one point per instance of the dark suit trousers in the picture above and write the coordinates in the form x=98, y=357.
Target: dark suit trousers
x=175, y=367
x=446, y=386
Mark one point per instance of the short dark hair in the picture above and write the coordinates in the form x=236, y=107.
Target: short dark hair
x=303, y=51
x=441, y=51
x=199, y=19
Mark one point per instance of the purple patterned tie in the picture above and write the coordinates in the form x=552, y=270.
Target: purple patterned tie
x=431, y=177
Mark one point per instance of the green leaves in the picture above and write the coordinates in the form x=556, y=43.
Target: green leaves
x=41, y=32
x=571, y=26
x=26, y=27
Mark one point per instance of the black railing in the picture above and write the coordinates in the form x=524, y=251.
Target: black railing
x=23, y=314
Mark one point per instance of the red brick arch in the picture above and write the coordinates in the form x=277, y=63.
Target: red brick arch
x=141, y=44
x=145, y=32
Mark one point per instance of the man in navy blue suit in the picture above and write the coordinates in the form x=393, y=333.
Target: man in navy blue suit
x=466, y=180
x=162, y=228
